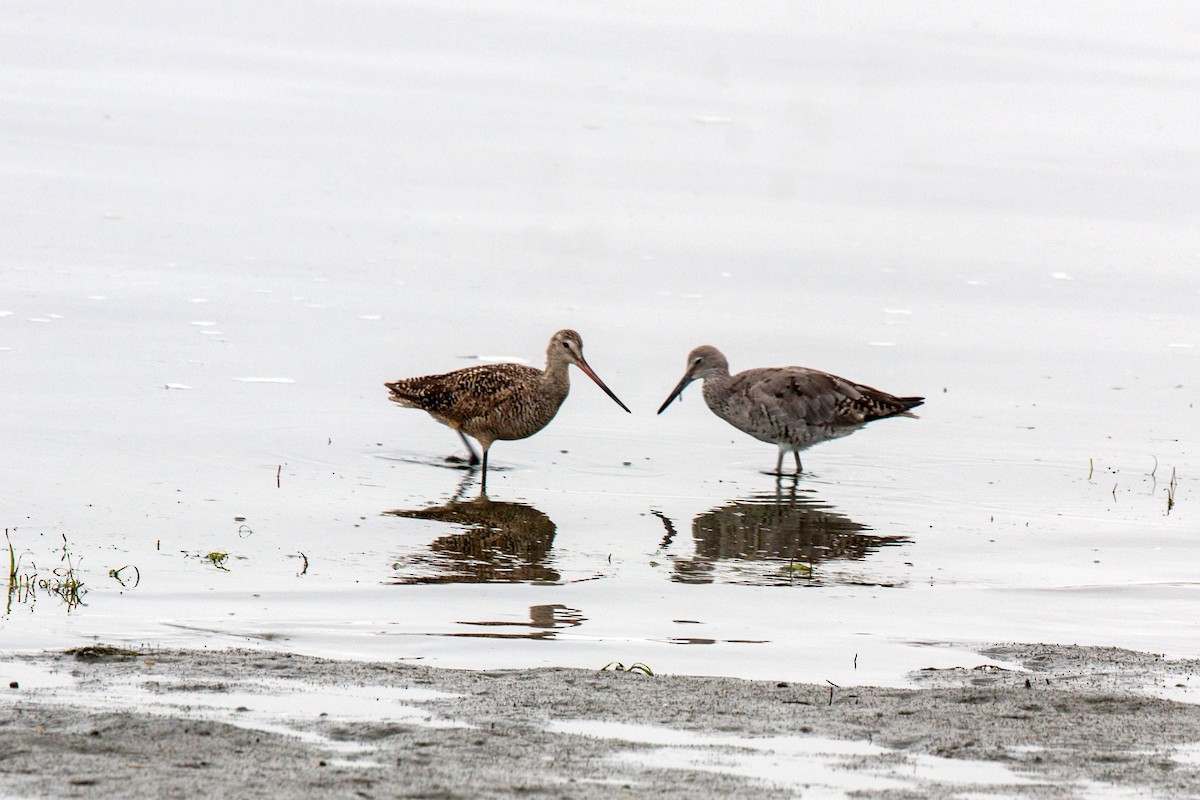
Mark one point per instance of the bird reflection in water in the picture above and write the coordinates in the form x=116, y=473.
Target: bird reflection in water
x=785, y=538
x=500, y=543
x=544, y=622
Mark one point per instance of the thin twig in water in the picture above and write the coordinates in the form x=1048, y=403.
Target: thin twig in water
x=12, y=560
x=1171, y=492
x=13, y=585
x=278, y=470
x=67, y=584
x=832, y=686
x=1091, y=468
x=305, y=569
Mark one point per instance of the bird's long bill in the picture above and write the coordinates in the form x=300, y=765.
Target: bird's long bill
x=588, y=371
x=678, y=390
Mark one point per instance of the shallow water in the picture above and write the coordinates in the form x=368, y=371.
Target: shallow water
x=804, y=765
x=295, y=709
x=223, y=239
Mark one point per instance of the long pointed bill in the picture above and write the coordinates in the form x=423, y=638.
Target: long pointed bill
x=678, y=390
x=588, y=371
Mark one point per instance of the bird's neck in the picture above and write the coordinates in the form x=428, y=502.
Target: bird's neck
x=715, y=388
x=556, y=374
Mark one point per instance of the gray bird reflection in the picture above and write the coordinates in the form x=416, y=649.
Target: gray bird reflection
x=500, y=543
x=786, y=538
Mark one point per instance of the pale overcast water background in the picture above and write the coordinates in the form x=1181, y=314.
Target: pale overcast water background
x=225, y=226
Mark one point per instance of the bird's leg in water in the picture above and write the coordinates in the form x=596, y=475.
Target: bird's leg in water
x=472, y=457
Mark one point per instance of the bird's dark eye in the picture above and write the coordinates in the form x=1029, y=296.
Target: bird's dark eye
x=567, y=345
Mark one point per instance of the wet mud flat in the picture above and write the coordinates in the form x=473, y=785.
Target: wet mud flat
x=1058, y=722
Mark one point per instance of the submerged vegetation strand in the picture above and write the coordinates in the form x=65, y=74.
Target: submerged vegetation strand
x=63, y=581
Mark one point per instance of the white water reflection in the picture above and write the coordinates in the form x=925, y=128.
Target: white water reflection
x=810, y=766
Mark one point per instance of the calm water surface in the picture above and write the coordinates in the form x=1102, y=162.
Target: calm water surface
x=222, y=242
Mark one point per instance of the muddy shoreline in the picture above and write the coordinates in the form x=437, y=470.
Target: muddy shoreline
x=1069, y=722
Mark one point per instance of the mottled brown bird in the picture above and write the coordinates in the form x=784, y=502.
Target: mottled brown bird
x=499, y=401
x=792, y=407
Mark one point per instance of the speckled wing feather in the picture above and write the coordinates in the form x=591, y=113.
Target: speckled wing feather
x=865, y=404
x=464, y=394
x=489, y=402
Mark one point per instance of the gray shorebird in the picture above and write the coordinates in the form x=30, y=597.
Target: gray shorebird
x=792, y=407
x=498, y=401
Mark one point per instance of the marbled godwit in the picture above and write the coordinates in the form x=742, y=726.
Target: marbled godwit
x=792, y=407
x=499, y=401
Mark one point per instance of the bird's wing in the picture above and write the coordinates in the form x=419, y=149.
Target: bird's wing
x=790, y=397
x=799, y=396
x=465, y=393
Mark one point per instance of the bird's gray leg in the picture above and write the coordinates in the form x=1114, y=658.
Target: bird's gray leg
x=779, y=463
x=472, y=457
x=483, y=485
x=795, y=453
